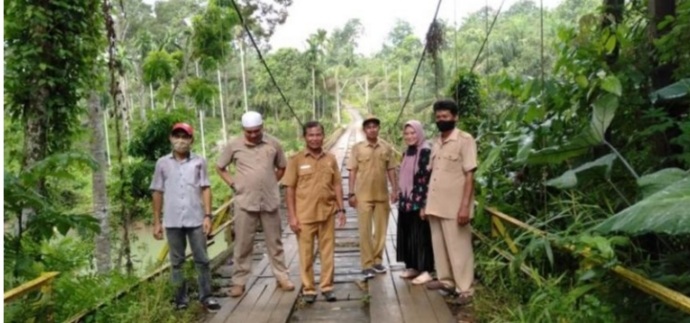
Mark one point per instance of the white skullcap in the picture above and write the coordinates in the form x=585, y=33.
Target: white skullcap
x=251, y=119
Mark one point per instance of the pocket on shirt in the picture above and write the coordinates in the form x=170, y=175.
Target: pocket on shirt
x=192, y=177
x=451, y=162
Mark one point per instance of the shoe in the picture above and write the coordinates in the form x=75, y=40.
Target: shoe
x=309, y=298
x=286, y=285
x=438, y=285
x=368, y=274
x=211, y=305
x=329, y=296
x=462, y=299
x=422, y=279
x=409, y=274
x=236, y=290
x=379, y=269
x=180, y=306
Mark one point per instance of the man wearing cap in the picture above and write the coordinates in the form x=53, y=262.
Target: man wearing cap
x=181, y=192
x=370, y=162
x=259, y=164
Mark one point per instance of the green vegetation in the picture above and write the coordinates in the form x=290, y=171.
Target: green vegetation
x=589, y=142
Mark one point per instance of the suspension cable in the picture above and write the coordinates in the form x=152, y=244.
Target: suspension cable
x=476, y=59
x=263, y=62
x=419, y=65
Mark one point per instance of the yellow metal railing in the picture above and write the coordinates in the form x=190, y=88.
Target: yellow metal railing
x=42, y=282
x=663, y=293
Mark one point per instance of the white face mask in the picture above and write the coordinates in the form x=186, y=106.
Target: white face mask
x=181, y=145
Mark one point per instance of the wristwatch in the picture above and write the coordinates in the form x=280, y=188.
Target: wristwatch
x=351, y=195
x=340, y=210
x=210, y=216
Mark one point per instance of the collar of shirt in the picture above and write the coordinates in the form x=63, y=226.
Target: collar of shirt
x=308, y=153
x=190, y=156
x=374, y=145
x=454, y=136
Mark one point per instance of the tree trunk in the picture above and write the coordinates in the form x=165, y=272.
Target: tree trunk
x=244, y=76
x=222, y=109
x=99, y=190
x=35, y=140
x=313, y=92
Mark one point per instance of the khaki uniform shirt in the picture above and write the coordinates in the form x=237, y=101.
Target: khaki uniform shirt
x=254, y=179
x=314, y=179
x=451, y=160
x=371, y=163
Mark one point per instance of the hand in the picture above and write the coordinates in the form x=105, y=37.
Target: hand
x=394, y=197
x=341, y=219
x=422, y=214
x=352, y=201
x=464, y=216
x=207, y=225
x=157, y=231
x=294, y=224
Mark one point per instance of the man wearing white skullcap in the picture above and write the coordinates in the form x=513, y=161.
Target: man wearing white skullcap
x=259, y=164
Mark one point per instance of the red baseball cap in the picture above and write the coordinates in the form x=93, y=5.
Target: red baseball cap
x=184, y=127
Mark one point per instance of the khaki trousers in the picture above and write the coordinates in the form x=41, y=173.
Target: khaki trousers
x=371, y=244
x=324, y=231
x=245, y=230
x=453, y=255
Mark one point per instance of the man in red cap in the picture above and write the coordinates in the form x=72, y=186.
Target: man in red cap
x=182, y=193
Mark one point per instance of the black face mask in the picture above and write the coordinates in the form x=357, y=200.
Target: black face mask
x=444, y=126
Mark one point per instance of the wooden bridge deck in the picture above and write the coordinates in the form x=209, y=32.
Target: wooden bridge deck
x=385, y=298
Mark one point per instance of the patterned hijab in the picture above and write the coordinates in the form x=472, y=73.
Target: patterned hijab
x=409, y=165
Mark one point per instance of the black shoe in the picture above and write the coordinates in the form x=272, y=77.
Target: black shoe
x=309, y=298
x=211, y=305
x=379, y=269
x=180, y=306
x=368, y=274
x=329, y=296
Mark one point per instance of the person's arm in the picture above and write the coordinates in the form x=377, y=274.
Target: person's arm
x=290, y=181
x=157, y=197
x=338, y=188
x=392, y=167
x=469, y=165
x=280, y=162
x=221, y=166
x=157, y=188
x=352, y=177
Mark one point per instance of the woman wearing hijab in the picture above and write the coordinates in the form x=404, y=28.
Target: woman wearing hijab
x=414, y=235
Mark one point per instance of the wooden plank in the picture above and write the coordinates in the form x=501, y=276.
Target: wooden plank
x=439, y=307
x=260, y=298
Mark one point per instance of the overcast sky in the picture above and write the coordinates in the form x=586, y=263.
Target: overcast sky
x=377, y=16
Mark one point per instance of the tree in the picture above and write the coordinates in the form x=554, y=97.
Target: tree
x=99, y=180
x=51, y=49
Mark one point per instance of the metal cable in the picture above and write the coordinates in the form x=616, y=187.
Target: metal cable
x=419, y=65
x=263, y=62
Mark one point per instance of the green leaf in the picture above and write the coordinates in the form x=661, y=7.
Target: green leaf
x=611, y=44
x=674, y=91
x=569, y=178
x=652, y=183
x=525, y=147
x=549, y=251
x=604, y=110
x=665, y=211
x=582, y=81
x=612, y=85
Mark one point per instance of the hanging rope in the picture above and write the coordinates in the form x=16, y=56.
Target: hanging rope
x=541, y=63
x=263, y=62
x=476, y=59
x=419, y=65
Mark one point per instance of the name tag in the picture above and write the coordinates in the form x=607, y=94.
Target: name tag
x=304, y=166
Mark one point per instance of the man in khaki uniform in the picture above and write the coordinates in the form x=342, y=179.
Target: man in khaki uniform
x=314, y=198
x=369, y=163
x=259, y=165
x=450, y=204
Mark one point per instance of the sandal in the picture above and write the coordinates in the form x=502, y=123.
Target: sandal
x=409, y=274
x=422, y=279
